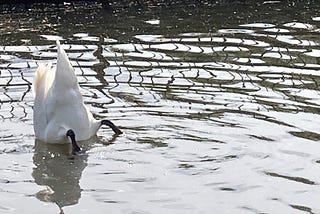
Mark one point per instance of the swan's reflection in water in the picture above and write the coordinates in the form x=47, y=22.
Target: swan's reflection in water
x=60, y=171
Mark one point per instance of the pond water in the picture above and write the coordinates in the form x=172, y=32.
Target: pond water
x=219, y=103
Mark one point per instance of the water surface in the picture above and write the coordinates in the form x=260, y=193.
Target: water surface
x=219, y=104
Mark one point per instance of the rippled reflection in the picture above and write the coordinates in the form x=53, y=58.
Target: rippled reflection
x=59, y=172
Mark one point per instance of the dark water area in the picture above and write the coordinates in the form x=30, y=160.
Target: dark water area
x=219, y=102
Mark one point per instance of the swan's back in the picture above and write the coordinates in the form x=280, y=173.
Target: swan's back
x=59, y=104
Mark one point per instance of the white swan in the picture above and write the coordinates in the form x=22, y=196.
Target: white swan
x=59, y=111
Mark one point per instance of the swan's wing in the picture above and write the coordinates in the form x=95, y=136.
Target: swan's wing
x=67, y=111
x=37, y=78
x=43, y=81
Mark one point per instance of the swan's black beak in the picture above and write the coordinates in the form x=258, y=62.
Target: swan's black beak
x=75, y=148
x=112, y=126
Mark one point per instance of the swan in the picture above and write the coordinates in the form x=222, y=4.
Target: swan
x=60, y=115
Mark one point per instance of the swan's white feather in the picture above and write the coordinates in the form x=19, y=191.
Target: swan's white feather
x=59, y=105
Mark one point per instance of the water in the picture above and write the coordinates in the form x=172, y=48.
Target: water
x=219, y=105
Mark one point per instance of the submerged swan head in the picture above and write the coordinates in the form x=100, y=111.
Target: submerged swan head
x=59, y=110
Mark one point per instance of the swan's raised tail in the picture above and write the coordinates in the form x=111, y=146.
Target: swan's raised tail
x=65, y=76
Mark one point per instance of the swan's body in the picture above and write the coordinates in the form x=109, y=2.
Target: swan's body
x=58, y=105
